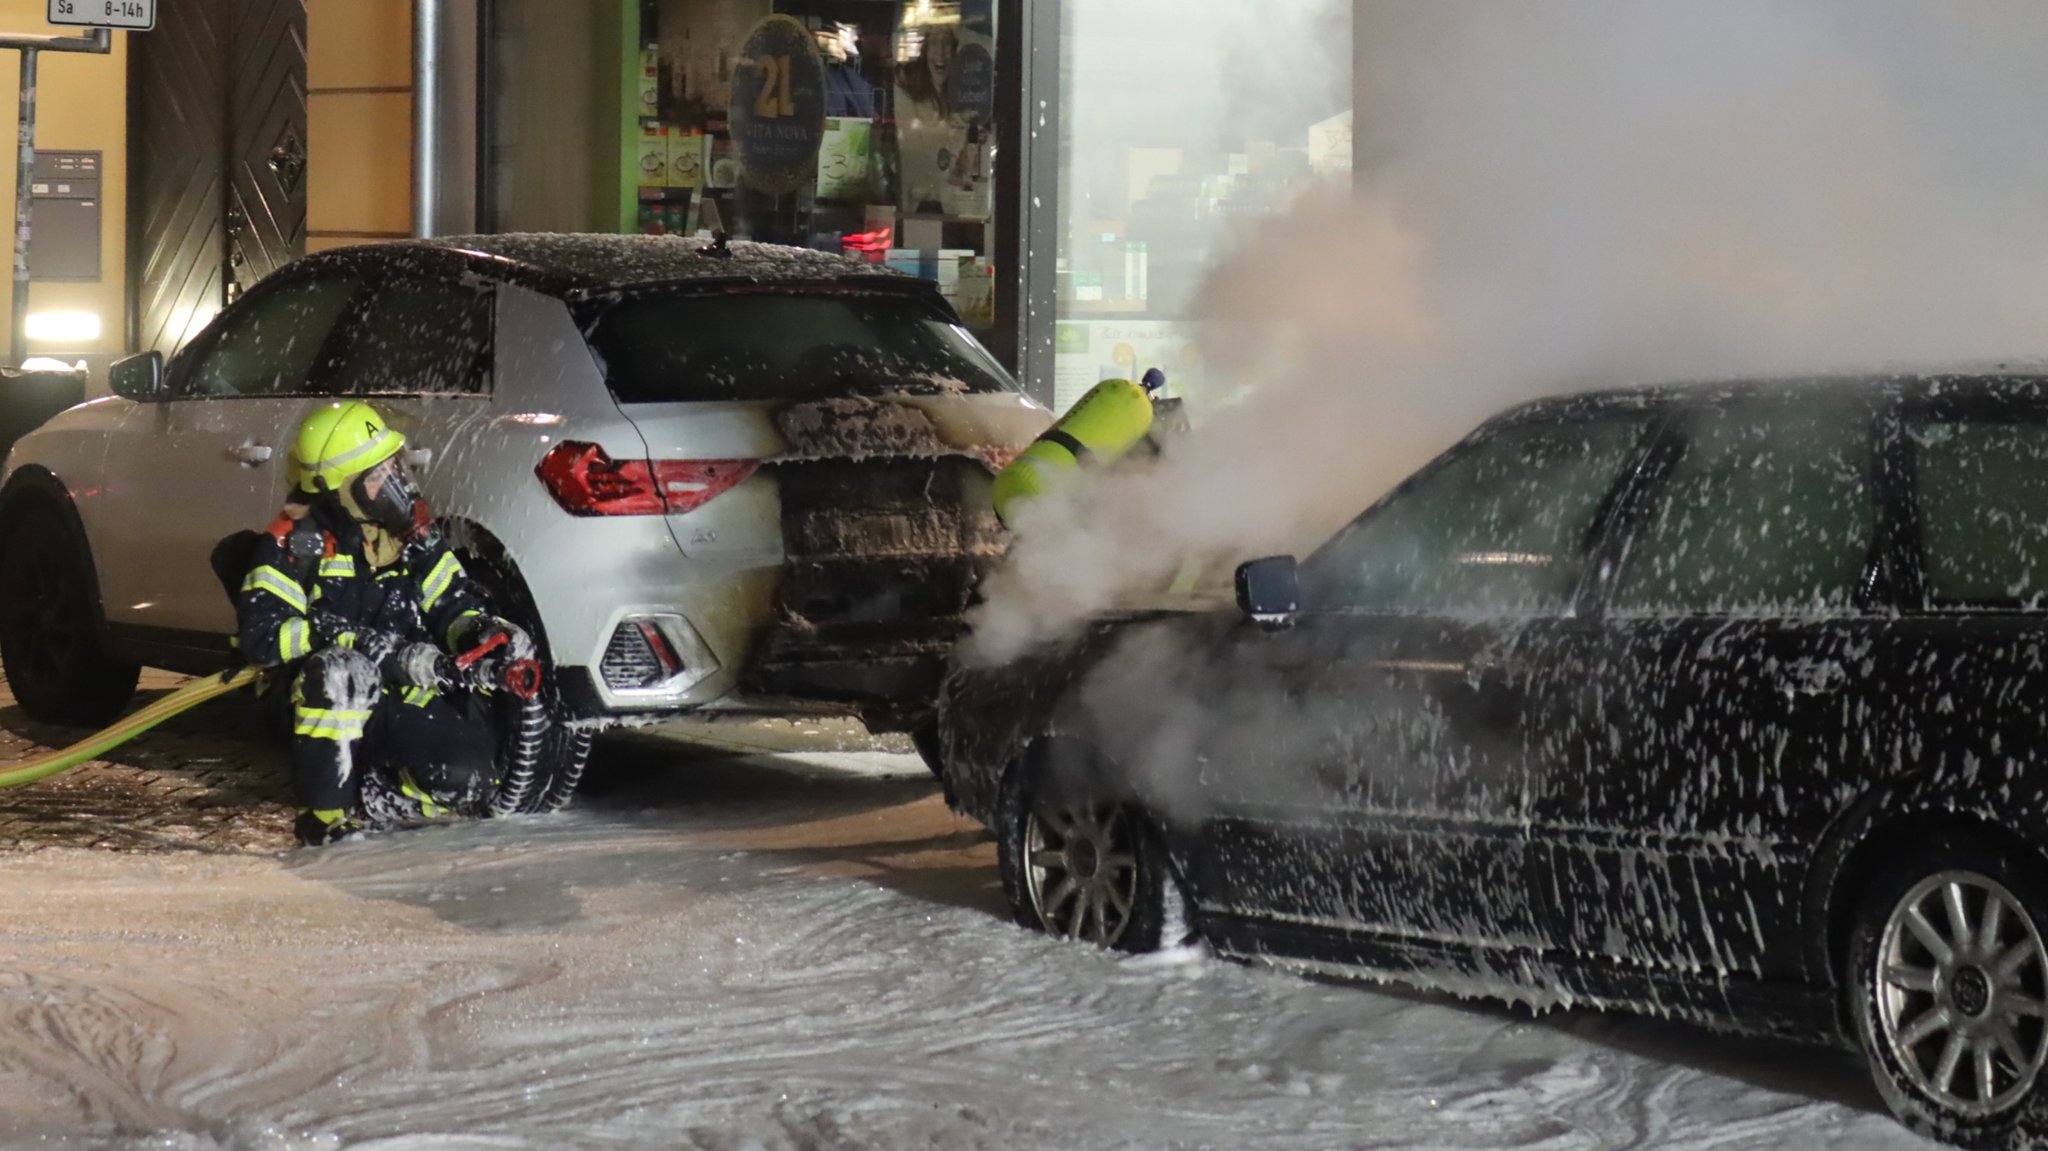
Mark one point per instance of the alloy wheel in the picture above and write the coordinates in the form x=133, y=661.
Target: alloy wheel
x=1962, y=993
x=1081, y=869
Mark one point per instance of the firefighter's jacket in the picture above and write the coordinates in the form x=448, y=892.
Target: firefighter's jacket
x=310, y=585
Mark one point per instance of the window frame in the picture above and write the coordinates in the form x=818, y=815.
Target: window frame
x=187, y=360
x=1582, y=599
x=591, y=312
x=1916, y=595
x=357, y=310
x=1877, y=584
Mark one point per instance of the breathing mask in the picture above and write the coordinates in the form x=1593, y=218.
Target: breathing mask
x=397, y=507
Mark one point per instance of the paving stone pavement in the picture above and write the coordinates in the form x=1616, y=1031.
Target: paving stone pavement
x=215, y=779
x=210, y=780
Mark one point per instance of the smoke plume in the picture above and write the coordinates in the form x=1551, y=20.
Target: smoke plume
x=1573, y=194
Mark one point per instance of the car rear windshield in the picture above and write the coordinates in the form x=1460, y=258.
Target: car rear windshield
x=786, y=345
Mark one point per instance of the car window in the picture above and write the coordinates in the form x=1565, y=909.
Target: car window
x=1768, y=511
x=270, y=345
x=1498, y=529
x=787, y=345
x=410, y=335
x=1983, y=500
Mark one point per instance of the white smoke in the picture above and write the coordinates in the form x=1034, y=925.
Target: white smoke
x=1573, y=194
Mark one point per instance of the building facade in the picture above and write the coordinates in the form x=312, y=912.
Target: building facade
x=1065, y=170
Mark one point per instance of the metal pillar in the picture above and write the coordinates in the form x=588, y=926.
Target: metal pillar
x=448, y=115
x=1027, y=189
x=99, y=42
x=426, y=117
x=24, y=207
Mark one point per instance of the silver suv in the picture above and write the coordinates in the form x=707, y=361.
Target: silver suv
x=746, y=477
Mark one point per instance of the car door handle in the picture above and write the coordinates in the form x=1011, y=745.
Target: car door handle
x=251, y=454
x=418, y=457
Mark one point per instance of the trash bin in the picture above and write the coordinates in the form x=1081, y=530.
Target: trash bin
x=29, y=398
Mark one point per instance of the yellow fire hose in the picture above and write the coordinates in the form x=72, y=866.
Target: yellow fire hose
x=107, y=739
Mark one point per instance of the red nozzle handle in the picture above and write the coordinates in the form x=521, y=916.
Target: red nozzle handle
x=464, y=661
x=523, y=678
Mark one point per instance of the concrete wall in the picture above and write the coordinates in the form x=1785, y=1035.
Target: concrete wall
x=82, y=104
x=359, y=121
x=558, y=123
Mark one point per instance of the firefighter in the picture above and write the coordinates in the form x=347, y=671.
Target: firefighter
x=1102, y=426
x=354, y=587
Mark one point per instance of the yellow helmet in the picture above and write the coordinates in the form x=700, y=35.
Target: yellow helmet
x=341, y=441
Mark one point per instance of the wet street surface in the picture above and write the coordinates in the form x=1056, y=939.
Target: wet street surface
x=750, y=935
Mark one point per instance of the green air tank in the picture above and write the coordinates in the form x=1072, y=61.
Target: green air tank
x=1104, y=424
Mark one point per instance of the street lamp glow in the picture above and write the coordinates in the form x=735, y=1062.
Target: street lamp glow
x=64, y=327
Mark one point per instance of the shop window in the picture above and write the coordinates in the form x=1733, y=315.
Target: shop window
x=864, y=126
x=1182, y=136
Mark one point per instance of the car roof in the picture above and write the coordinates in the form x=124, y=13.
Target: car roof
x=580, y=265
x=2017, y=383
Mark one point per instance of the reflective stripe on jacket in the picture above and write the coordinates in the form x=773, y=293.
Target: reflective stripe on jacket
x=310, y=585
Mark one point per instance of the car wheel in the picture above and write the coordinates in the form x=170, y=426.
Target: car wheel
x=926, y=740
x=569, y=754
x=50, y=628
x=565, y=750
x=1950, y=986
x=1083, y=867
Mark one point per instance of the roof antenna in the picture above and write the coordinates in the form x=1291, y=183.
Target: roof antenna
x=717, y=249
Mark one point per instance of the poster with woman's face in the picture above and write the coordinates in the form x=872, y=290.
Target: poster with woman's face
x=945, y=105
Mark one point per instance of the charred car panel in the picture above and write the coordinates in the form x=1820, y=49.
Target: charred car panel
x=883, y=559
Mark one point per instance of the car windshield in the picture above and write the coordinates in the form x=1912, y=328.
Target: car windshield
x=786, y=345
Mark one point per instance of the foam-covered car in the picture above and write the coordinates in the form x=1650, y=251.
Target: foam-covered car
x=735, y=477
x=1724, y=703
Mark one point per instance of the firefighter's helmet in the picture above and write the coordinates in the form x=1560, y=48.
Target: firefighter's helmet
x=341, y=441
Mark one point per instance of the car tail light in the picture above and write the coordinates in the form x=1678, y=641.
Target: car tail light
x=588, y=482
x=690, y=484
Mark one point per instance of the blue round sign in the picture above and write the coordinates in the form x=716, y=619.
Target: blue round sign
x=777, y=107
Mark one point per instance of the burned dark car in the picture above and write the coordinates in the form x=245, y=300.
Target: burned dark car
x=1726, y=703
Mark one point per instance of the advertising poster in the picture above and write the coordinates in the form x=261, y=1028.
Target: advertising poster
x=843, y=158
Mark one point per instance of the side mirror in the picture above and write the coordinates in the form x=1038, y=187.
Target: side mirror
x=139, y=378
x=1269, y=590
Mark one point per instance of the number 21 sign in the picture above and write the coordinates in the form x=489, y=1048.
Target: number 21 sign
x=777, y=108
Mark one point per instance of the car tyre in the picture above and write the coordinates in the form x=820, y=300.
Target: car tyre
x=1949, y=991
x=50, y=629
x=1079, y=866
x=930, y=749
x=565, y=750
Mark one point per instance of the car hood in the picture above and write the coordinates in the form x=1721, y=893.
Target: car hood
x=1127, y=682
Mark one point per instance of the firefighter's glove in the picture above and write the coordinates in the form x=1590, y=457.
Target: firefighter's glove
x=330, y=630
x=518, y=645
x=414, y=665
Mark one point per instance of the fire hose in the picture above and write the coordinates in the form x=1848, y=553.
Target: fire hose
x=108, y=738
x=521, y=678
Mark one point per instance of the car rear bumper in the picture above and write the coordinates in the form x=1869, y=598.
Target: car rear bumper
x=888, y=675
